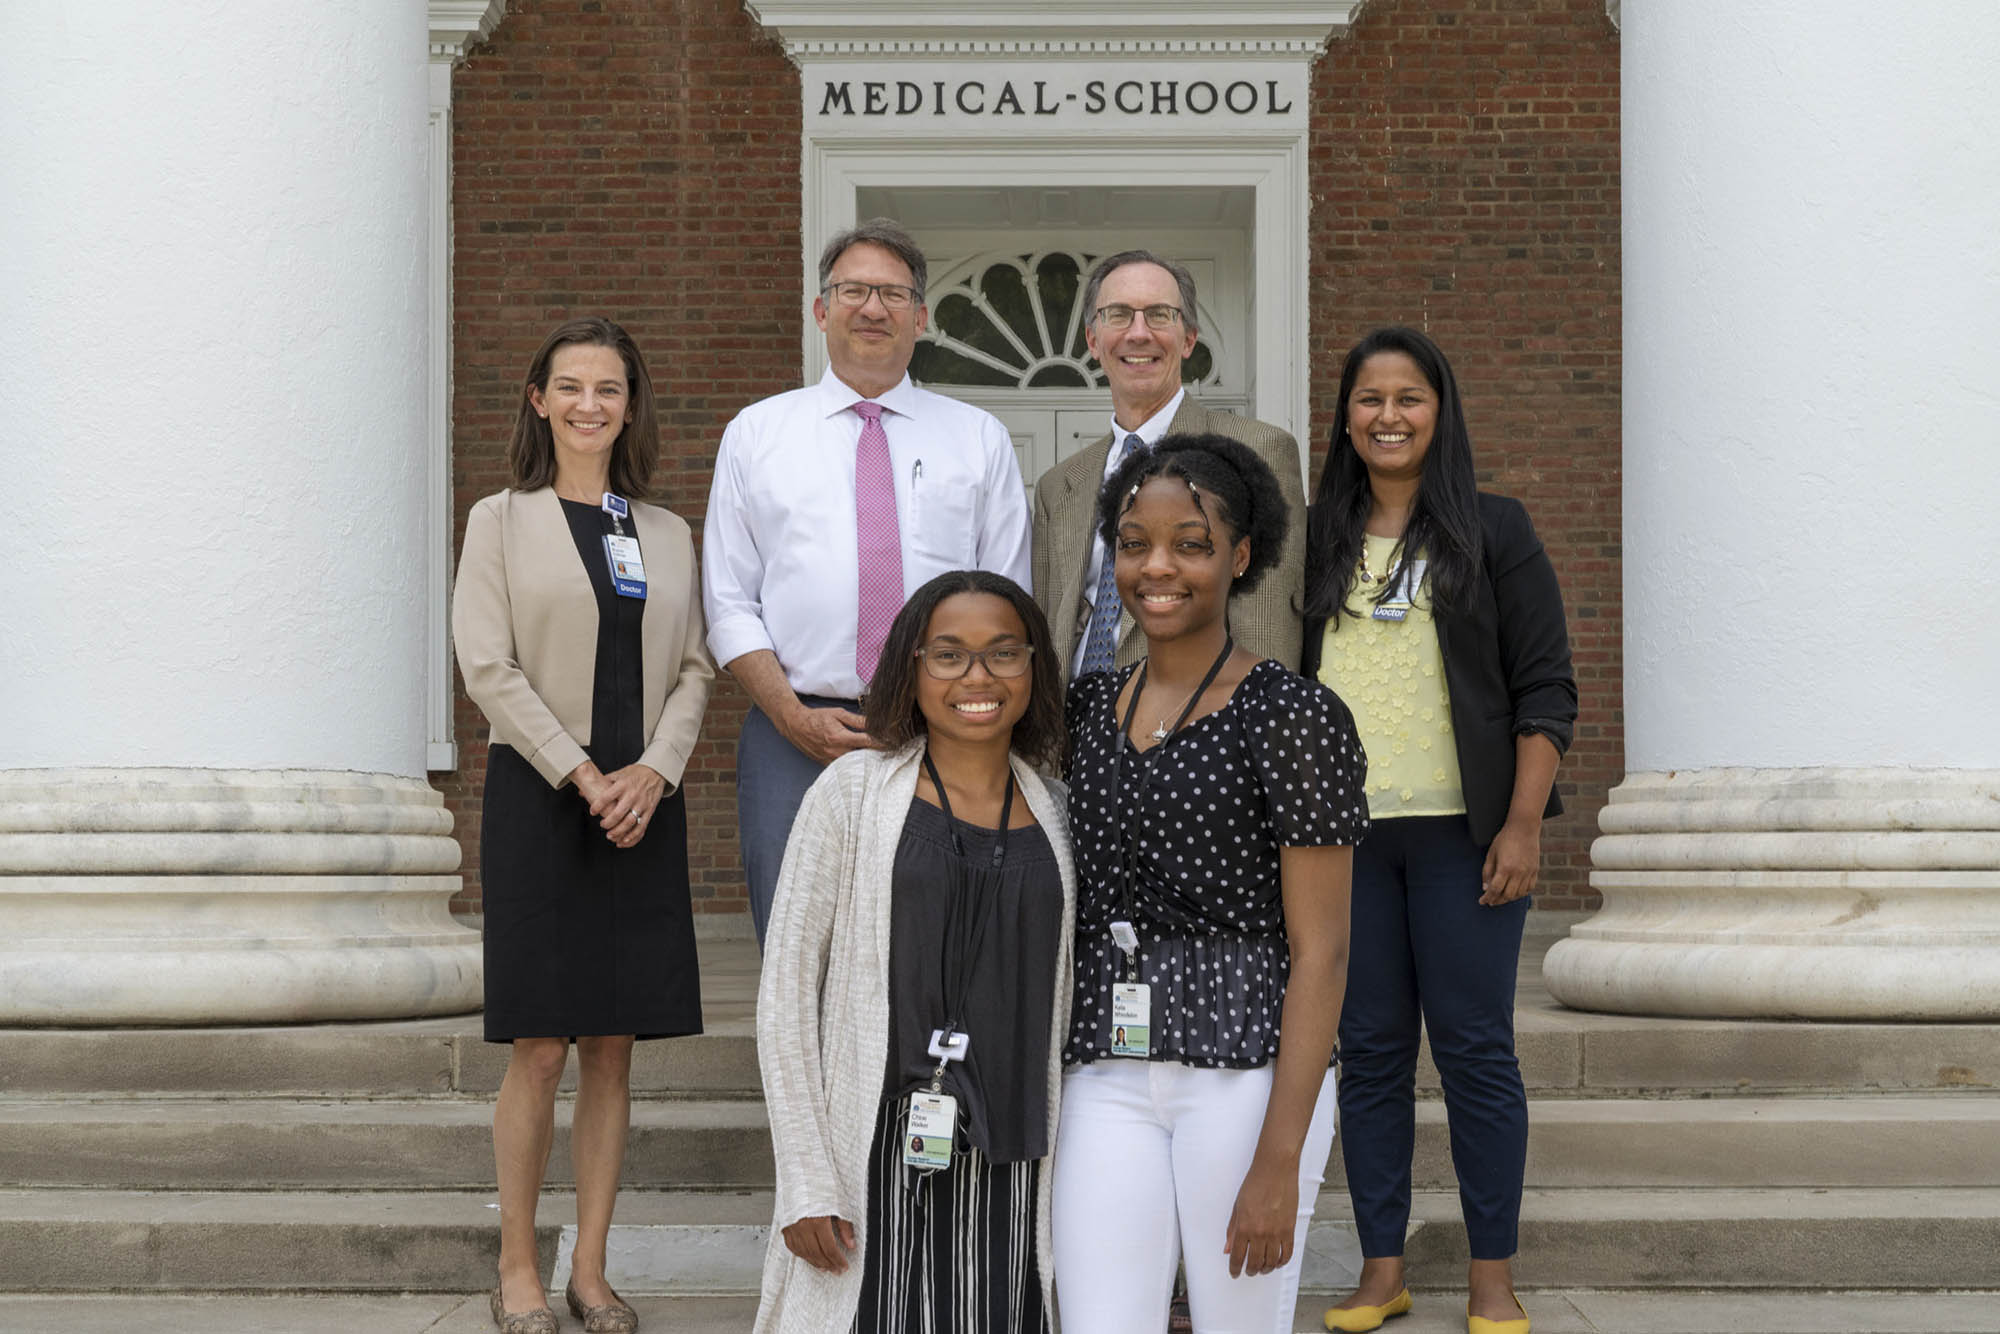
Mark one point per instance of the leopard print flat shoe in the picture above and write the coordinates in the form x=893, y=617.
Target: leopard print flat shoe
x=614, y=1317
x=539, y=1321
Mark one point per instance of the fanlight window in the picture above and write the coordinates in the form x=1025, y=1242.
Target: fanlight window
x=1010, y=321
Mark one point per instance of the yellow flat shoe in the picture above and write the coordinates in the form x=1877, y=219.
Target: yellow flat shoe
x=1359, y=1319
x=1479, y=1324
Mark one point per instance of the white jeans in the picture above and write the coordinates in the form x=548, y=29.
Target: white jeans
x=1149, y=1158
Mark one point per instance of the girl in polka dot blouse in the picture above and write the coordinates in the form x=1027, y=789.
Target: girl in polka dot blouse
x=1215, y=798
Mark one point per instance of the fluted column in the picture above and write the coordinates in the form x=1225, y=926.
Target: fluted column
x=1810, y=822
x=212, y=802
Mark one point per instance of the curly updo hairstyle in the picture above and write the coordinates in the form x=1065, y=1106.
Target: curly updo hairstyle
x=1230, y=486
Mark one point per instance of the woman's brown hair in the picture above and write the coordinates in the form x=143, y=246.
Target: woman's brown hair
x=635, y=454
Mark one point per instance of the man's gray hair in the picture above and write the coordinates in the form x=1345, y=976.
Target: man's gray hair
x=1189, y=320
x=884, y=232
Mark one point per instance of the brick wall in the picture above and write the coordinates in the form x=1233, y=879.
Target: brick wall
x=640, y=158
x=637, y=159
x=1465, y=180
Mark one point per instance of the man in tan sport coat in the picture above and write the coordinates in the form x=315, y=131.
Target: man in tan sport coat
x=1142, y=326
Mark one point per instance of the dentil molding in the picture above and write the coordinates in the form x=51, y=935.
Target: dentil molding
x=822, y=28
x=457, y=24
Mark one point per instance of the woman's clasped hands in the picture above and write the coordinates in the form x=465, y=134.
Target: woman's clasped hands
x=622, y=800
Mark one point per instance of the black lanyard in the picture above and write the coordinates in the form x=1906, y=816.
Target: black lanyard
x=963, y=927
x=1128, y=853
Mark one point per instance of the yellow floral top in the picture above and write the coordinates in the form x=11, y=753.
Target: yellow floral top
x=1391, y=676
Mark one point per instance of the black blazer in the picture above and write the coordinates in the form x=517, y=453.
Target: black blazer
x=1506, y=663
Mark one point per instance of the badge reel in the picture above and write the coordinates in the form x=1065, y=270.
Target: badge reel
x=621, y=550
x=931, y=1129
x=1131, y=1001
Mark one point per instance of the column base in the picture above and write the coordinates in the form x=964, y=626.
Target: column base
x=197, y=896
x=1861, y=894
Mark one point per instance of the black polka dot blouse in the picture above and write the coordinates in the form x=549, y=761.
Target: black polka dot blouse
x=1278, y=766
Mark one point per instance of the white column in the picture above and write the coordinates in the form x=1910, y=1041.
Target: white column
x=212, y=806
x=1810, y=823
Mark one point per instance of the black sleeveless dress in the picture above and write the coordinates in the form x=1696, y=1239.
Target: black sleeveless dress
x=583, y=938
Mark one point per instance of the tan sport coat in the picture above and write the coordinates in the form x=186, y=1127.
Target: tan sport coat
x=524, y=622
x=1268, y=620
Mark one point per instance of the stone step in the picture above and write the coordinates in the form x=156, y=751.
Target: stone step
x=380, y=1241
x=415, y=1058
x=1564, y=1053
x=1880, y=1140
x=445, y=1143
x=438, y=1241
x=1438, y=1311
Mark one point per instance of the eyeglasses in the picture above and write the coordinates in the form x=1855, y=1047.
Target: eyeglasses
x=1161, y=316
x=894, y=296
x=949, y=662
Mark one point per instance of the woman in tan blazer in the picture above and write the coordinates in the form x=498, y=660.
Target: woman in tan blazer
x=577, y=619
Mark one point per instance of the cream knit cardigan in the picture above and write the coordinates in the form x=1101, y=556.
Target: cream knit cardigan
x=823, y=1017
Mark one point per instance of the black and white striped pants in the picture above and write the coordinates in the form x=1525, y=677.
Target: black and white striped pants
x=951, y=1251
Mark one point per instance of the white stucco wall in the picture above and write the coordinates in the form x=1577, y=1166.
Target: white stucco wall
x=1812, y=383
x=212, y=251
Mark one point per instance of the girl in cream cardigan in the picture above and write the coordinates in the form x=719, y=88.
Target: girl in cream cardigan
x=915, y=989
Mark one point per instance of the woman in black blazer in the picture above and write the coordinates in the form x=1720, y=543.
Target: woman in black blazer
x=1434, y=612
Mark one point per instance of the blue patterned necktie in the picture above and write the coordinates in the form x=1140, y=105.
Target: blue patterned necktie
x=1100, y=646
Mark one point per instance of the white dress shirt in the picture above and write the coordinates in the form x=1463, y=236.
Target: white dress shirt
x=1150, y=432
x=778, y=561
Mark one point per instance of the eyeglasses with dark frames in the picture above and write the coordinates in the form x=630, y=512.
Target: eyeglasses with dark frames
x=895, y=296
x=1161, y=316
x=949, y=662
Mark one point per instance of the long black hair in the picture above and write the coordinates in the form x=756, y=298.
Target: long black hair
x=1444, y=524
x=893, y=716
x=1219, y=471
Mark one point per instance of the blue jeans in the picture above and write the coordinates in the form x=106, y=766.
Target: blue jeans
x=772, y=776
x=1424, y=955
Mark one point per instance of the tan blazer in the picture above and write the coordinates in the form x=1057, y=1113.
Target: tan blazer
x=524, y=622
x=1268, y=620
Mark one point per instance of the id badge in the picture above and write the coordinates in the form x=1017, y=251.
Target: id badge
x=1396, y=607
x=628, y=571
x=929, y=1131
x=1131, y=1019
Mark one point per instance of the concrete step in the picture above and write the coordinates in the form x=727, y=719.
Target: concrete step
x=382, y=1241
x=1564, y=1053
x=1802, y=1140
x=446, y=1143
x=408, y=1059
x=1885, y=1237
x=94, y=1241
x=1438, y=1311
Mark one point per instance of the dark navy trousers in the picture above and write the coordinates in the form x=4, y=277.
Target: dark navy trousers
x=1423, y=955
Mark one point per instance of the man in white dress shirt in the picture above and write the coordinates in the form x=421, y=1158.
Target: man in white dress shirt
x=820, y=495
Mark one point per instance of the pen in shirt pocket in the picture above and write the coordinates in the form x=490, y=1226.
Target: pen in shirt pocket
x=916, y=473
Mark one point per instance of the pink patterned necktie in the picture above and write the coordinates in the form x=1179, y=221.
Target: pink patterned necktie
x=878, y=541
